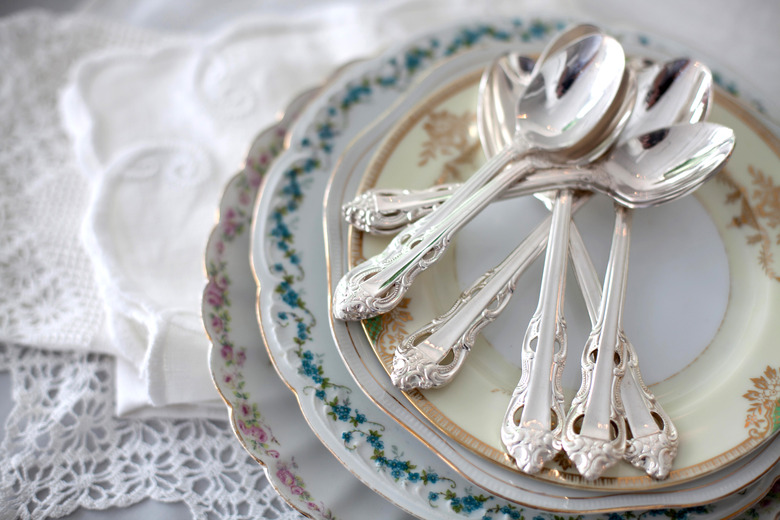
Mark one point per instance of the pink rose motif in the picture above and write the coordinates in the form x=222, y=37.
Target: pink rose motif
x=214, y=295
x=217, y=324
x=255, y=179
x=287, y=478
x=258, y=433
x=227, y=352
x=241, y=357
x=221, y=282
x=243, y=198
x=242, y=426
x=296, y=490
x=245, y=409
x=220, y=247
x=273, y=453
x=313, y=506
x=229, y=227
x=264, y=159
x=228, y=378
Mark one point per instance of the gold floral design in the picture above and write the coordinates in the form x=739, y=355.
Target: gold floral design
x=759, y=214
x=563, y=460
x=388, y=330
x=459, y=168
x=764, y=412
x=448, y=134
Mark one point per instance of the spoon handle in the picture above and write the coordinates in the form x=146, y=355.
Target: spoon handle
x=531, y=430
x=594, y=433
x=378, y=285
x=652, y=445
x=418, y=361
x=389, y=211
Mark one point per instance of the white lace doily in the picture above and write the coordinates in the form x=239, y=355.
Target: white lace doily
x=63, y=448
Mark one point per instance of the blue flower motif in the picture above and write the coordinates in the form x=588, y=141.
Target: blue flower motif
x=360, y=418
x=342, y=412
x=347, y=436
x=538, y=29
x=375, y=442
x=309, y=165
x=320, y=394
x=433, y=497
x=326, y=132
x=282, y=316
x=433, y=478
x=290, y=298
x=413, y=477
x=471, y=504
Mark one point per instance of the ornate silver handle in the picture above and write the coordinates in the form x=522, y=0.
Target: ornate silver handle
x=652, y=445
x=531, y=430
x=377, y=285
x=388, y=211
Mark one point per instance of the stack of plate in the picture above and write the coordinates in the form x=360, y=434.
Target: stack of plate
x=704, y=289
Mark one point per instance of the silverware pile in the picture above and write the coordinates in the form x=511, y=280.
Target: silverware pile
x=580, y=119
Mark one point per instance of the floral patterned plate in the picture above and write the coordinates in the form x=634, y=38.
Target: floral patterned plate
x=688, y=270
x=289, y=266
x=263, y=413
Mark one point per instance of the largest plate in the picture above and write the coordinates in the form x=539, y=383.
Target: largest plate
x=292, y=303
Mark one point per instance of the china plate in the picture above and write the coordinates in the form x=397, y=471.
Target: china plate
x=708, y=283
x=263, y=413
x=289, y=267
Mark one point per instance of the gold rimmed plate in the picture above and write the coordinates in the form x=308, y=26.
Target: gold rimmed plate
x=723, y=279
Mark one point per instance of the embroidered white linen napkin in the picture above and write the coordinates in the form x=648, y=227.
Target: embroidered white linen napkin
x=158, y=134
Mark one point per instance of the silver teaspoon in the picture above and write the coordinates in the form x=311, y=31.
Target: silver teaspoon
x=566, y=114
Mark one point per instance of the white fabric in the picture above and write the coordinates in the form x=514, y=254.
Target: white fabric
x=61, y=445
x=63, y=449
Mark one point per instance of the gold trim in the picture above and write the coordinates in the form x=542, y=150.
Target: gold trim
x=451, y=428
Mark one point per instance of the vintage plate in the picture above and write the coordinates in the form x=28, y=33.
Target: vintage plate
x=701, y=275
x=289, y=266
x=263, y=413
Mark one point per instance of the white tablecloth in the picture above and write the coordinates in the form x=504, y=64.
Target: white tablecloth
x=64, y=450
